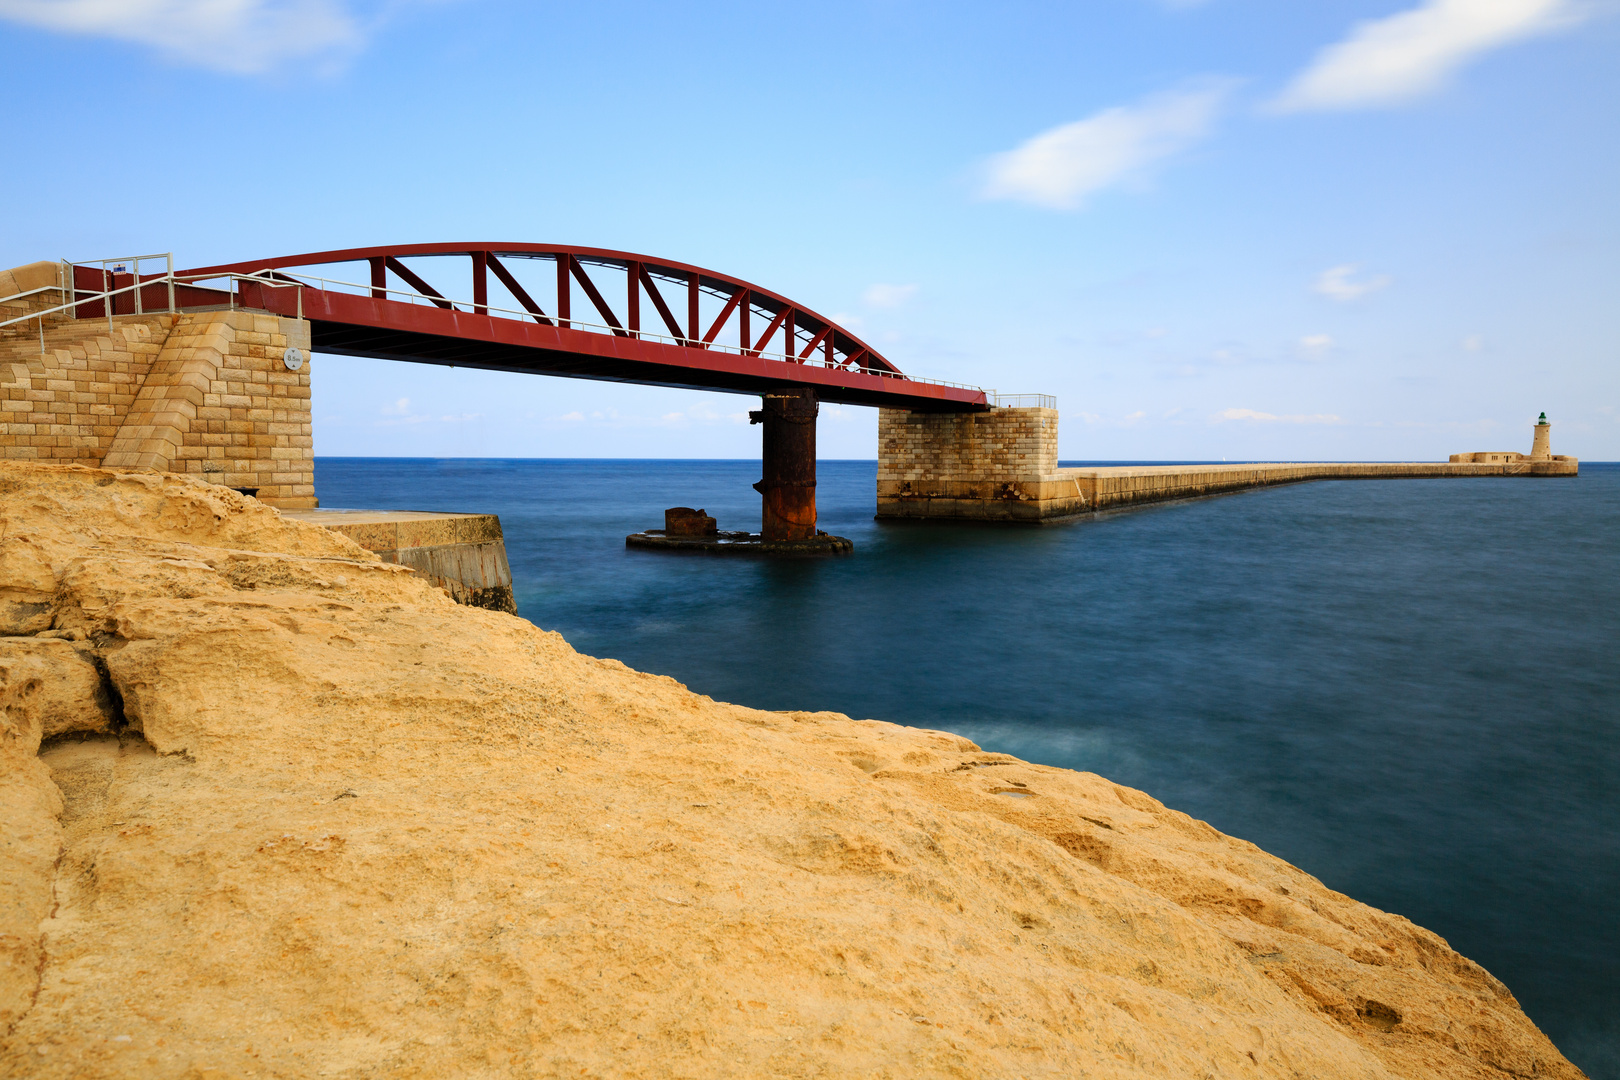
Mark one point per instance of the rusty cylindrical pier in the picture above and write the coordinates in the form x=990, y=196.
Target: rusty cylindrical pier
x=788, y=490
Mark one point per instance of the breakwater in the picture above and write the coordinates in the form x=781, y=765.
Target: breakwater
x=1002, y=465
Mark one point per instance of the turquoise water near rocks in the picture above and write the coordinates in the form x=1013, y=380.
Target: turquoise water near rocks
x=1409, y=688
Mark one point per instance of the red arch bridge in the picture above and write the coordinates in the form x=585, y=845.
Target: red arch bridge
x=587, y=313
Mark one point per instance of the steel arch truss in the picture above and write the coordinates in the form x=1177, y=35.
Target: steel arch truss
x=667, y=323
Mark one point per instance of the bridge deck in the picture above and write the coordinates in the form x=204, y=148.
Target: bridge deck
x=798, y=347
x=350, y=325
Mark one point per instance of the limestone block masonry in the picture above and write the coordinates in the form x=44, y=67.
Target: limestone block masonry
x=464, y=554
x=205, y=393
x=998, y=465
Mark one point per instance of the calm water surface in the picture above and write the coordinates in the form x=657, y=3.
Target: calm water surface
x=1409, y=688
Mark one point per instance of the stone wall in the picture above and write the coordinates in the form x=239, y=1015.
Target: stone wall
x=25, y=279
x=204, y=393
x=67, y=404
x=1000, y=444
x=1001, y=465
x=996, y=465
x=463, y=554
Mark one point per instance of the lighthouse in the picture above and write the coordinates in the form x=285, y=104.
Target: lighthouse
x=1541, y=449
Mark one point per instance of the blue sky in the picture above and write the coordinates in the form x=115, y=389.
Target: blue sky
x=1230, y=228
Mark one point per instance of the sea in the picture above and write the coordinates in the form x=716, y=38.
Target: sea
x=1408, y=688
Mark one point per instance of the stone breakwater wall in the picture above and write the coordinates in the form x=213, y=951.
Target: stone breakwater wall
x=1002, y=466
x=204, y=393
x=464, y=554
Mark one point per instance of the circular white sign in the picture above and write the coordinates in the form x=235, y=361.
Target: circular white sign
x=292, y=358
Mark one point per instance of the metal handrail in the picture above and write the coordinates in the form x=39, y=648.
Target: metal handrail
x=1023, y=401
x=82, y=296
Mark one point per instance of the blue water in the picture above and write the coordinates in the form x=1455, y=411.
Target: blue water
x=1409, y=688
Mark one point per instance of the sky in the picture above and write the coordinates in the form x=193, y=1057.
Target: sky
x=1242, y=229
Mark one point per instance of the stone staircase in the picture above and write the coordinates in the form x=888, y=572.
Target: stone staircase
x=66, y=404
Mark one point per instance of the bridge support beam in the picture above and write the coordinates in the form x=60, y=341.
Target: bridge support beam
x=788, y=490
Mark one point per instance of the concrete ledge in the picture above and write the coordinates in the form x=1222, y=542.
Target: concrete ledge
x=1068, y=493
x=464, y=554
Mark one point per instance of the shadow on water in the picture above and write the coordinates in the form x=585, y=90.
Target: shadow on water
x=1408, y=688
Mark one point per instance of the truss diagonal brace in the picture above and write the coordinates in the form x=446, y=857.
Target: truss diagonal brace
x=658, y=302
x=408, y=276
x=720, y=320
x=516, y=290
x=781, y=317
x=596, y=298
x=817, y=340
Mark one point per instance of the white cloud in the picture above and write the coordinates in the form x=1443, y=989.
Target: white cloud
x=402, y=407
x=1473, y=343
x=1061, y=167
x=1255, y=417
x=1315, y=344
x=240, y=37
x=1336, y=283
x=888, y=296
x=1404, y=56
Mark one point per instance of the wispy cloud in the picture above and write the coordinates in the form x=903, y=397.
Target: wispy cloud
x=1061, y=167
x=1315, y=345
x=1338, y=283
x=1254, y=416
x=240, y=37
x=1404, y=56
x=888, y=296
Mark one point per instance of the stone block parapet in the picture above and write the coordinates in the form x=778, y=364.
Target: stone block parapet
x=205, y=393
x=26, y=289
x=464, y=554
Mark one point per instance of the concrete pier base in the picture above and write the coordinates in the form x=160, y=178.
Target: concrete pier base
x=464, y=554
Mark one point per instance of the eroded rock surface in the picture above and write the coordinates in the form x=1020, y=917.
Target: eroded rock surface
x=270, y=807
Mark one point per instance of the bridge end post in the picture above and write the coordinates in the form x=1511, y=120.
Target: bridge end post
x=788, y=488
x=998, y=465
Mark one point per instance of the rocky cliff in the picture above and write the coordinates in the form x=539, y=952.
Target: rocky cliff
x=271, y=807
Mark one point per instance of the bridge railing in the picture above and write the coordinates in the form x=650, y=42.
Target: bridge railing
x=325, y=284
x=1021, y=401
x=169, y=282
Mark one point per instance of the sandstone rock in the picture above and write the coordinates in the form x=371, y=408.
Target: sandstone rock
x=27, y=587
x=347, y=827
